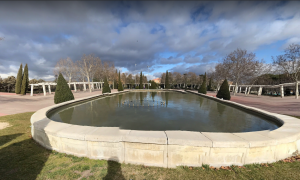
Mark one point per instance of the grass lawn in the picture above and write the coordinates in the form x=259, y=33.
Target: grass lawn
x=22, y=158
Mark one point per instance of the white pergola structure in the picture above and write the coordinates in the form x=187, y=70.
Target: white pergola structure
x=99, y=85
x=137, y=84
x=248, y=88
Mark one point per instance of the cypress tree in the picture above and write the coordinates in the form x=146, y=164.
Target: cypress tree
x=209, y=85
x=115, y=81
x=202, y=88
x=120, y=87
x=106, y=88
x=224, y=91
x=62, y=92
x=141, y=80
x=19, y=80
x=167, y=81
x=25, y=81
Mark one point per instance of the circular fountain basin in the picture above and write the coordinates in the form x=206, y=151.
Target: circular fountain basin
x=166, y=129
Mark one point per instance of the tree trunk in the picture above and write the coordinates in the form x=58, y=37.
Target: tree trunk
x=297, y=90
x=88, y=79
x=235, y=89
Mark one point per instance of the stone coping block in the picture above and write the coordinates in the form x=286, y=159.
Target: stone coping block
x=148, y=137
x=188, y=138
x=226, y=140
x=169, y=148
x=107, y=134
x=256, y=140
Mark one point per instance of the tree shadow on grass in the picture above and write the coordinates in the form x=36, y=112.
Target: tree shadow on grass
x=114, y=170
x=7, y=138
x=22, y=160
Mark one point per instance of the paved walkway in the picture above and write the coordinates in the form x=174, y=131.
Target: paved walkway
x=287, y=105
x=13, y=104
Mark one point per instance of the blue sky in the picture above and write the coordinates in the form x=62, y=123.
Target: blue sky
x=175, y=36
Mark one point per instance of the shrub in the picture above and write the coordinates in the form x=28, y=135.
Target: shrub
x=153, y=85
x=19, y=80
x=202, y=88
x=106, y=88
x=25, y=81
x=62, y=92
x=224, y=91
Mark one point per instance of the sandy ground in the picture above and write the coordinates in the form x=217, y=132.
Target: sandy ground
x=3, y=125
x=13, y=104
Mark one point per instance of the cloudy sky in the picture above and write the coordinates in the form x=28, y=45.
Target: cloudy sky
x=175, y=36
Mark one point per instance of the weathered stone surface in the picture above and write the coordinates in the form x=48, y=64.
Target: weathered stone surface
x=155, y=137
x=107, y=134
x=188, y=138
x=106, y=150
x=256, y=140
x=74, y=147
x=227, y=156
x=187, y=155
x=75, y=132
x=226, y=140
x=146, y=154
x=262, y=154
x=53, y=127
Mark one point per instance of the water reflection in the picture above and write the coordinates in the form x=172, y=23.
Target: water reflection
x=161, y=111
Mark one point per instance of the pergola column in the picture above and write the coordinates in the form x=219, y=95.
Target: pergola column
x=49, y=88
x=75, y=89
x=84, y=87
x=246, y=90
x=249, y=90
x=44, y=90
x=259, y=91
x=240, y=89
x=31, y=93
x=281, y=91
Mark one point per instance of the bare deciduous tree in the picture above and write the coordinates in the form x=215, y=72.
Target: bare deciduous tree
x=239, y=63
x=66, y=67
x=88, y=66
x=289, y=63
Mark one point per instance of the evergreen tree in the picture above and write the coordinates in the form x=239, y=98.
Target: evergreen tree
x=209, y=85
x=25, y=81
x=19, y=80
x=153, y=85
x=62, y=92
x=120, y=87
x=167, y=81
x=106, y=88
x=224, y=91
x=202, y=88
x=115, y=80
x=141, y=80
